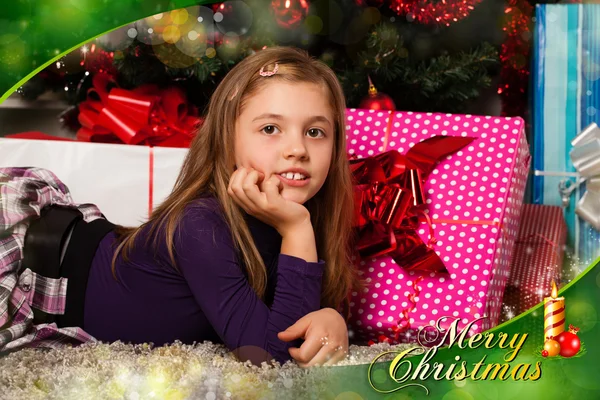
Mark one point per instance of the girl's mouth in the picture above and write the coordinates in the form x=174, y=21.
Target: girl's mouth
x=300, y=182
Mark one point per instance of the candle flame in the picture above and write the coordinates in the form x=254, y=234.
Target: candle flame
x=554, y=293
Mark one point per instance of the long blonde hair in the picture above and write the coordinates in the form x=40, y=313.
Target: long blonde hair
x=210, y=162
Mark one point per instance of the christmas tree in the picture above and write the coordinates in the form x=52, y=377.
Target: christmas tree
x=369, y=43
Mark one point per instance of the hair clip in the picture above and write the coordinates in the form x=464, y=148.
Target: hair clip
x=262, y=71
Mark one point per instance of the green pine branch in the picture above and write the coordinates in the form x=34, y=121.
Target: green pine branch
x=444, y=83
x=206, y=68
x=447, y=80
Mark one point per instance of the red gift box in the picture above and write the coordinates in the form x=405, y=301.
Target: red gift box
x=537, y=258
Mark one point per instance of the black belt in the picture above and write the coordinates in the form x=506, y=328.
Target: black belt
x=44, y=241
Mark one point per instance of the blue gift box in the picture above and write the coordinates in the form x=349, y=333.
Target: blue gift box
x=566, y=99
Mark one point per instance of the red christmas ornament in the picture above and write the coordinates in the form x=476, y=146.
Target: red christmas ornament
x=569, y=342
x=223, y=8
x=544, y=353
x=442, y=12
x=97, y=60
x=377, y=100
x=289, y=13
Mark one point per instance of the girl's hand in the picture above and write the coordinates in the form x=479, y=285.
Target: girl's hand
x=266, y=202
x=325, y=338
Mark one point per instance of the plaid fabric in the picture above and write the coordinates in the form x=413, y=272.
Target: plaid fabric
x=24, y=192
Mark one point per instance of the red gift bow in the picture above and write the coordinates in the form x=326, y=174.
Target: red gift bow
x=389, y=199
x=146, y=115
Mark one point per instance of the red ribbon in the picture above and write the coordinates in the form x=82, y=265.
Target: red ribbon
x=403, y=324
x=390, y=201
x=146, y=115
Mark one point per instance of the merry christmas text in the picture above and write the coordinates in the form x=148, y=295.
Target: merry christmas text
x=406, y=373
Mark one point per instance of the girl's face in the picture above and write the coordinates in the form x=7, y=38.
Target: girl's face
x=287, y=129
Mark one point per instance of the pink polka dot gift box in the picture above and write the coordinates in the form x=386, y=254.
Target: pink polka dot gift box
x=473, y=200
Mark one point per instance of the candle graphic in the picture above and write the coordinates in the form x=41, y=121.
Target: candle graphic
x=554, y=314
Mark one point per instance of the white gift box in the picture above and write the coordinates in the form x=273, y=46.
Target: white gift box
x=125, y=182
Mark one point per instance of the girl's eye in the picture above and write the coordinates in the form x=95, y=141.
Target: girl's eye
x=269, y=129
x=314, y=133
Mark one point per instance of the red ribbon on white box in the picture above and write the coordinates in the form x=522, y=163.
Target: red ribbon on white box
x=125, y=182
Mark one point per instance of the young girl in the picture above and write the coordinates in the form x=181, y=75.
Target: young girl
x=251, y=248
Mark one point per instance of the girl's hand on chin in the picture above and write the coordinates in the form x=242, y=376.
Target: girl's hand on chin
x=265, y=202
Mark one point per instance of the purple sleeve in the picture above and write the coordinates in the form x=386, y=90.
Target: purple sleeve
x=206, y=258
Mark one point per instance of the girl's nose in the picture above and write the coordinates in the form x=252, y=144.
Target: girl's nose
x=295, y=147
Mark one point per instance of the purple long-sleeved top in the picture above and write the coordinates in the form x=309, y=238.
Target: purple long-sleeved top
x=210, y=298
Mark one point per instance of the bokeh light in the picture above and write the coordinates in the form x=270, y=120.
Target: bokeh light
x=348, y=396
x=118, y=39
x=371, y=15
x=231, y=40
x=379, y=376
x=65, y=19
x=88, y=6
x=172, y=57
x=591, y=70
x=211, y=52
x=458, y=394
x=171, y=34
x=193, y=43
x=12, y=30
x=314, y=24
x=236, y=18
x=15, y=21
x=15, y=57
x=582, y=315
x=145, y=31
x=168, y=27
x=328, y=14
x=179, y=17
